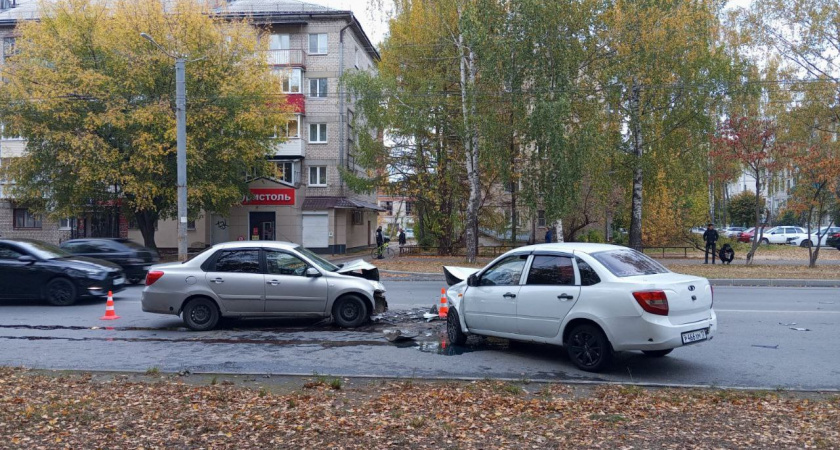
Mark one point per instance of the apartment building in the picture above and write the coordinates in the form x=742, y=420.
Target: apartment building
x=306, y=201
x=397, y=212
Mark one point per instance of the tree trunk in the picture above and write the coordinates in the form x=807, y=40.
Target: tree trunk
x=758, y=233
x=637, y=144
x=470, y=149
x=146, y=221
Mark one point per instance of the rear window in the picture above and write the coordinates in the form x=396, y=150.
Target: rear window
x=628, y=263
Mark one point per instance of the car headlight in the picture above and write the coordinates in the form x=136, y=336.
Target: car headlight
x=377, y=286
x=87, y=273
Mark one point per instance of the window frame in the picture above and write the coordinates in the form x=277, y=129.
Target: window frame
x=294, y=76
x=36, y=224
x=71, y=223
x=267, y=251
x=321, y=133
x=321, y=176
x=326, y=44
x=212, y=267
x=318, y=92
x=574, y=282
x=525, y=266
x=290, y=172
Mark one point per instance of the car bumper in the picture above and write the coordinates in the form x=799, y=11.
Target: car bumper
x=136, y=270
x=100, y=288
x=651, y=332
x=159, y=303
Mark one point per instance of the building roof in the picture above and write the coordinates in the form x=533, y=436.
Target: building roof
x=286, y=6
x=322, y=203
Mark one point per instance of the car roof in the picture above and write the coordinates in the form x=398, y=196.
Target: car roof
x=569, y=247
x=262, y=244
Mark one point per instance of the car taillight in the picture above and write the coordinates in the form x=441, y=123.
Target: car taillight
x=153, y=276
x=836, y=235
x=654, y=302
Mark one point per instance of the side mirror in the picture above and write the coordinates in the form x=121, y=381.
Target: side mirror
x=312, y=272
x=472, y=280
x=27, y=259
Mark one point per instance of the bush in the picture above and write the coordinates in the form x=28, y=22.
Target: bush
x=594, y=236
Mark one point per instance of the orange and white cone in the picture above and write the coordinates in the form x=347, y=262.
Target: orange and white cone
x=443, y=310
x=110, y=314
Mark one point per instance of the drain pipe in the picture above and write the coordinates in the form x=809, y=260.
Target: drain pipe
x=341, y=118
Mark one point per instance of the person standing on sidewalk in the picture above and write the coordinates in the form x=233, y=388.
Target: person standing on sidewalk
x=379, y=241
x=710, y=237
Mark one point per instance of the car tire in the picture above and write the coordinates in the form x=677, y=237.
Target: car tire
x=60, y=292
x=805, y=244
x=350, y=312
x=201, y=314
x=657, y=353
x=588, y=348
x=453, y=328
x=135, y=280
x=765, y=241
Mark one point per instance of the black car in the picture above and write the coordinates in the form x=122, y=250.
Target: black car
x=833, y=240
x=132, y=257
x=32, y=269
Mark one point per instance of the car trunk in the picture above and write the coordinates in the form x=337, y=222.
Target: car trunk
x=689, y=297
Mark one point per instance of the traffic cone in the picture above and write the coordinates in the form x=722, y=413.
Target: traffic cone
x=109, y=309
x=444, y=309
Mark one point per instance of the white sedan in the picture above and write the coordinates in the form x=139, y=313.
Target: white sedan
x=782, y=235
x=591, y=298
x=806, y=241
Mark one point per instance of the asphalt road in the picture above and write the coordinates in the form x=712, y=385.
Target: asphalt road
x=757, y=345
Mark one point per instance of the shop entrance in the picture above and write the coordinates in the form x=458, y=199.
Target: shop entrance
x=261, y=226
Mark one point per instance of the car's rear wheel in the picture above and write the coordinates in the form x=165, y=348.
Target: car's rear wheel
x=201, y=314
x=350, y=312
x=657, y=353
x=589, y=348
x=765, y=241
x=61, y=292
x=453, y=328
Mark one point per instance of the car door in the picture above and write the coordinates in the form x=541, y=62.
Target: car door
x=18, y=279
x=237, y=279
x=288, y=289
x=549, y=292
x=491, y=304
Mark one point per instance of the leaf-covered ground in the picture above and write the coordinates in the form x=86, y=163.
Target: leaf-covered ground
x=40, y=410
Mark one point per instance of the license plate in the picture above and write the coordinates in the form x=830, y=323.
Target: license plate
x=119, y=281
x=693, y=336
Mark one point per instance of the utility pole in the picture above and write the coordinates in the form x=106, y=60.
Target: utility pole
x=181, y=124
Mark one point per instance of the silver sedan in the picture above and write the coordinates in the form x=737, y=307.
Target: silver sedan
x=263, y=279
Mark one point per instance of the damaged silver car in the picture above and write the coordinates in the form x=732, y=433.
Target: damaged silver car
x=262, y=279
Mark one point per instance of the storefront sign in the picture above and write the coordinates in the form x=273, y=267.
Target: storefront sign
x=270, y=197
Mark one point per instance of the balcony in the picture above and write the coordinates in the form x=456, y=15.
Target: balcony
x=292, y=147
x=286, y=58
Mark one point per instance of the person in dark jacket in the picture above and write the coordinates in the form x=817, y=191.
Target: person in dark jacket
x=710, y=237
x=726, y=254
x=401, y=237
x=548, y=236
x=379, y=241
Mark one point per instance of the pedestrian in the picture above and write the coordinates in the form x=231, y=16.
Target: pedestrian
x=380, y=240
x=401, y=237
x=548, y=236
x=726, y=254
x=710, y=237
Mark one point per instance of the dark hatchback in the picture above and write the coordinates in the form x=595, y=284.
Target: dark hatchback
x=132, y=257
x=36, y=270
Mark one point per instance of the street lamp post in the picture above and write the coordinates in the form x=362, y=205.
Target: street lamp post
x=181, y=156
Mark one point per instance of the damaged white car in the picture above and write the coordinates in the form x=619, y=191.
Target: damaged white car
x=261, y=279
x=593, y=299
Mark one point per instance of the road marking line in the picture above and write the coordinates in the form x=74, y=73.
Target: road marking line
x=776, y=311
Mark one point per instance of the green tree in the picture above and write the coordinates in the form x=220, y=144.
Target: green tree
x=741, y=208
x=96, y=103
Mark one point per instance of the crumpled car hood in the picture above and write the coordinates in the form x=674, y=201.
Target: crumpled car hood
x=360, y=268
x=455, y=275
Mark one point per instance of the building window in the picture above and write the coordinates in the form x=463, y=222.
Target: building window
x=318, y=87
x=541, y=218
x=285, y=171
x=279, y=42
x=318, y=44
x=318, y=176
x=291, y=130
x=8, y=47
x=358, y=218
x=291, y=80
x=67, y=223
x=23, y=219
x=389, y=207
x=409, y=208
x=191, y=225
x=318, y=132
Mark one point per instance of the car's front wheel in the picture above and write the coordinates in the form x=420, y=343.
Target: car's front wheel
x=350, y=312
x=61, y=292
x=657, y=353
x=806, y=243
x=201, y=314
x=453, y=328
x=765, y=241
x=589, y=348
